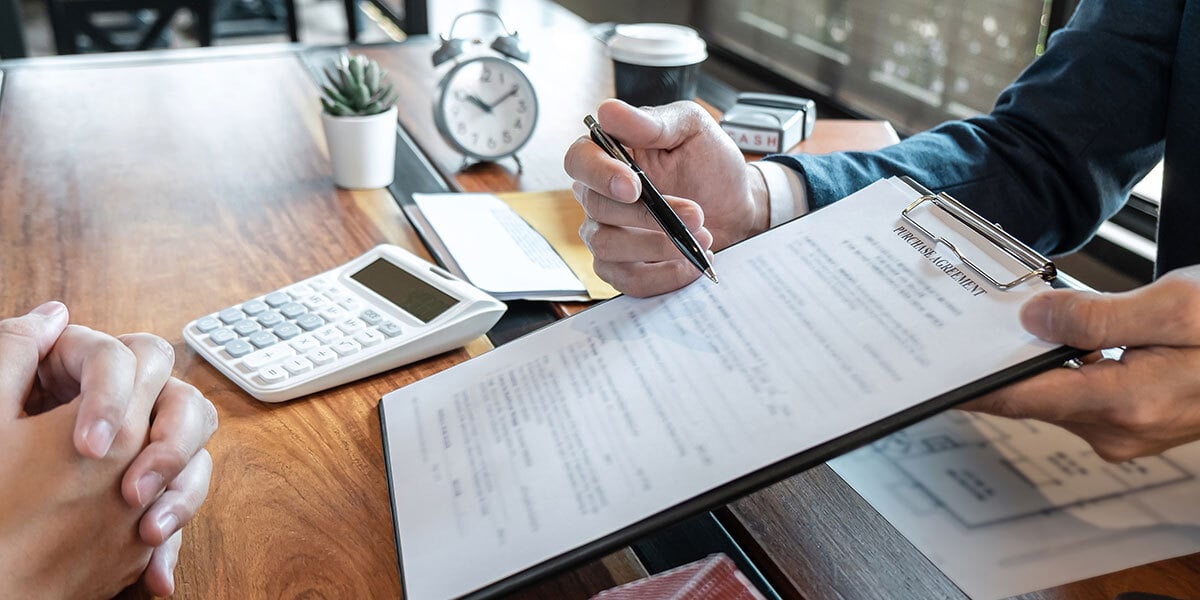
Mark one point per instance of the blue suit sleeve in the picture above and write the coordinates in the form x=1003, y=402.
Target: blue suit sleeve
x=1065, y=143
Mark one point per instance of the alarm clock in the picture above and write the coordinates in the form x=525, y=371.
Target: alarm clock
x=485, y=106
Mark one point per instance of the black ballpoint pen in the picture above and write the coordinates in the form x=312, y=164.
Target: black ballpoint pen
x=654, y=202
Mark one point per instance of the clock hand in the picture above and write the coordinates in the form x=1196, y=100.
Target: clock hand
x=510, y=94
x=473, y=99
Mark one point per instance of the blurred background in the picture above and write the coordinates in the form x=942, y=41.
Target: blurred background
x=914, y=63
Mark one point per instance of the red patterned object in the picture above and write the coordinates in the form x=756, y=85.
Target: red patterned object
x=713, y=578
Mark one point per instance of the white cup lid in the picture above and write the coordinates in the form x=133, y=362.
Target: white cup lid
x=657, y=45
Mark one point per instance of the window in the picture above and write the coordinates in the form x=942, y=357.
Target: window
x=914, y=62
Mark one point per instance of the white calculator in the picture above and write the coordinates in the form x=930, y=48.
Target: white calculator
x=381, y=310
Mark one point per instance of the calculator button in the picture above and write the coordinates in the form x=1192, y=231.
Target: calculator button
x=310, y=322
x=277, y=299
x=292, y=310
x=368, y=337
x=338, y=296
x=231, y=315
x=345, y=347
x=238, y=348
x=262, y=339
x=297, y=365
x=245, y=327
x=305, y=343
x=351, y=303
x=270, y=319
x=371, y=317
x=207, y=324
x=272, y=374
x=316, y=301
x=351, y=325
x=257, y=360
x=389, y=329
x=321, y=356
x=328, y=335
x=333, y=312
x=222, y=336
x=299, y=291
x=254, y=307
x=287, y=331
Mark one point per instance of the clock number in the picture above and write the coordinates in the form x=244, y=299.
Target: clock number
x=474, y=139
x=517, y=124
x=462, y=128
x=491, y=143
x=502, y=78
x=521, y=106
x=507, y=137
x=486, y=75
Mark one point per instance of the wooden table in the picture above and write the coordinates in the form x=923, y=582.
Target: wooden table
x=144, y=192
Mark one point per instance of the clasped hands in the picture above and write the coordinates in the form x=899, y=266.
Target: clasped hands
x=1143, y=404
x=104, y=458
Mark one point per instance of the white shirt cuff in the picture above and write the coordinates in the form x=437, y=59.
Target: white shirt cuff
x=787, y=197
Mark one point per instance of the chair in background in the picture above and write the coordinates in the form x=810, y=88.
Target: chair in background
x=262, y=17
x=75, y=19
x=12, y=34
x=412, y=16
x=416, y=17
x=236, y=18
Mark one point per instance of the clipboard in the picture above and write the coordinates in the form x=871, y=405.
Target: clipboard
x=1035, y=263
x=1036, y=266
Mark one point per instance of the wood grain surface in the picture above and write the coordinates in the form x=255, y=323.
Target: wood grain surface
x=146, y=195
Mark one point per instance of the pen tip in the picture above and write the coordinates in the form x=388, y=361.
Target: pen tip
x=711, y=275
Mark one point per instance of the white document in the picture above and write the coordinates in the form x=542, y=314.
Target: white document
x=496, y=250
x=1007, y=507
x=551, y=442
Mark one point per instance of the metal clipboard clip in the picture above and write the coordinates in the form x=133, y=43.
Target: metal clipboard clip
x=1037, y=265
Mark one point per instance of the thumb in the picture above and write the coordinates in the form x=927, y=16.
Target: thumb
x=660, y=127
x=24, y=342
x=1163, y=313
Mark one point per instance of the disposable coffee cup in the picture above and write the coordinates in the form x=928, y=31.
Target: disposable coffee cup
x=656, y=63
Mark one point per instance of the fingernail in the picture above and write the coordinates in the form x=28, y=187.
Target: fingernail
x=1037, y=315
x=148, y=487
x=622, y=188
x=99, y=437
x=166, y=523
x=50, y=308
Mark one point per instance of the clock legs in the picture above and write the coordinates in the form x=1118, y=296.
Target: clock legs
x=468, y=163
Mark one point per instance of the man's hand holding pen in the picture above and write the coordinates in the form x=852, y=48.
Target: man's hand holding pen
x=701, y=174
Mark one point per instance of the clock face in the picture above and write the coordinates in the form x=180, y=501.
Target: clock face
x=487, y=108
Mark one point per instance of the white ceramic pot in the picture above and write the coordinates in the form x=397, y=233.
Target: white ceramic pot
x=362, y=149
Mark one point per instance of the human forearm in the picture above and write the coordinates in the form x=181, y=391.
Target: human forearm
x=1062, y=147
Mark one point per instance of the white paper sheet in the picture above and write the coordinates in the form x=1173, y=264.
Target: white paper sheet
x=552, y=441
x=1006, y=507
x=497, y=251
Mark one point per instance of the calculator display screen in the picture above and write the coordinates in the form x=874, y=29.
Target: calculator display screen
x=418, y=298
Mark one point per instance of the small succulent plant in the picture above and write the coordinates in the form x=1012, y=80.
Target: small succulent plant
x=357, y=87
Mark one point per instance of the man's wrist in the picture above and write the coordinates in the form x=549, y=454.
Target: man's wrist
x=786, y=196
x=761, y=198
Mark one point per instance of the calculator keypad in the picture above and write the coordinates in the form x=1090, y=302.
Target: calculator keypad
x=292, y=332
